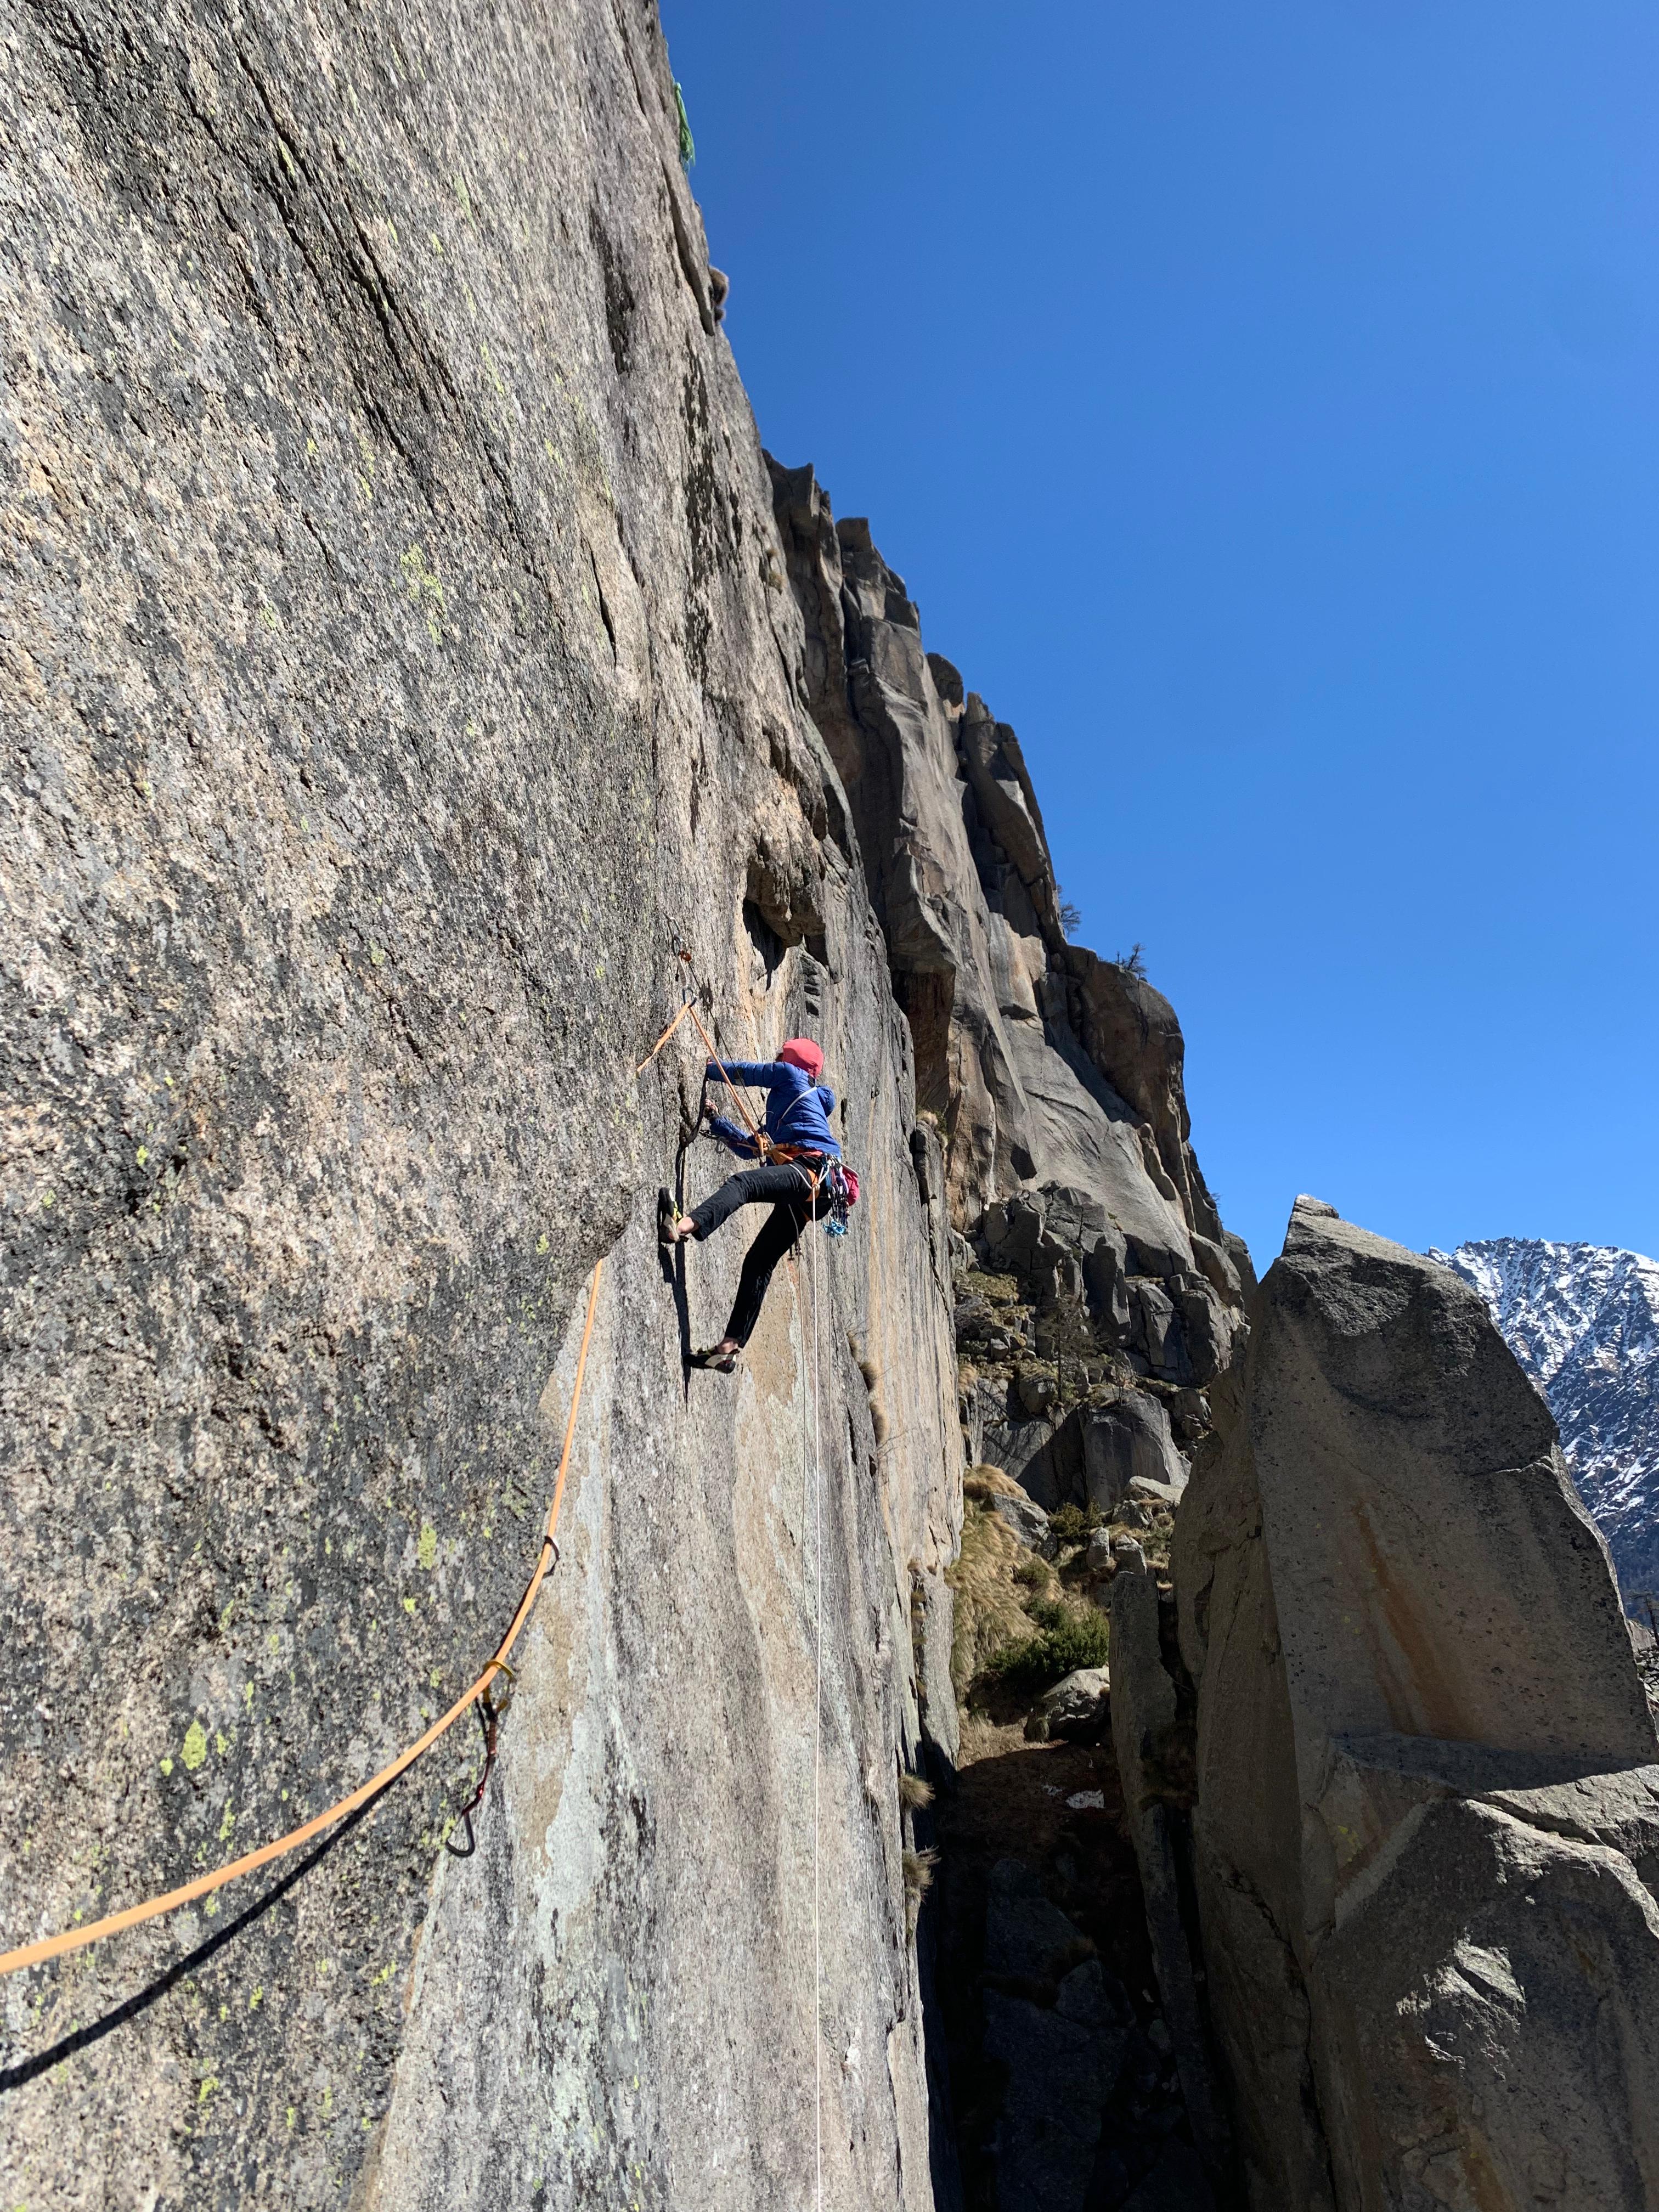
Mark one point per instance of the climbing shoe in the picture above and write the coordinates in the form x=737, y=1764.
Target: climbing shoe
x=668, y=1215
x=716, y=1361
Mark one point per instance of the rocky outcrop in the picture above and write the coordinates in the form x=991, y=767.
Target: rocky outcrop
x=1055, y=1076
x=399, y=669
x=1098, y=1298
x=1427, y=1789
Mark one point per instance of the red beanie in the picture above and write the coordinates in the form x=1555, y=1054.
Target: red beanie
x=801, y=1052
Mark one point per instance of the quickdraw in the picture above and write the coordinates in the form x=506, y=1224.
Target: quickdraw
x=491, y=1710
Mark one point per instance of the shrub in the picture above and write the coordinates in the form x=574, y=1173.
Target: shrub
x=1067, y=1638
x=1074, y=1524
x=1032, y=1573
x=1133, y=962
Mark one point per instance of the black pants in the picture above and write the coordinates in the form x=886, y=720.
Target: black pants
x=794, y=1206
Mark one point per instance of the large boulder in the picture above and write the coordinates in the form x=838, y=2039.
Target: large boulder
x=1125, y=1442
x=1208, y=1326
x=1159, y=1334
x=1427, y=1791
x=998, y=1490
x=1105, y=1274
x=1076, y=1707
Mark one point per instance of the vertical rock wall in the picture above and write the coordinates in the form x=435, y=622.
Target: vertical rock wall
x=398, y=668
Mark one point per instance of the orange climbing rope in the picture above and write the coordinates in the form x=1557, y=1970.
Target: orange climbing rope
x=684, y=1010
x=155, y=1908
x=762, y=1142
x=74, y=1938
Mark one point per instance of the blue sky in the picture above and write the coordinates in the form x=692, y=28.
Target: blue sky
x=1262, y=406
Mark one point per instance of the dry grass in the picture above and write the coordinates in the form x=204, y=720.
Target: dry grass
x=990, y=1603
x=916, y=1791
x=990, y=1482
x=918, y=1880
x=918, y=1871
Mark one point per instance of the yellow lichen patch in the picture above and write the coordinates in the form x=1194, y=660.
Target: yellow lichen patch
x=195, y=1749
x=426, y=1551
x=426, y=587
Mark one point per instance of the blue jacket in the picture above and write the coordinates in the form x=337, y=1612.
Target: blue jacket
x=798, y=1109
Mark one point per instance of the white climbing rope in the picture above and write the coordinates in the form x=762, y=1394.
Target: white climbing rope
x=817, y=1718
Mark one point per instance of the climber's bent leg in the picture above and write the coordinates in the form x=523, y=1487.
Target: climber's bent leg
x=778, y=1236
x=753, y=1186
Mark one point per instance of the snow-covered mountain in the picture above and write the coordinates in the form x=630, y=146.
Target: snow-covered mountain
x=1584, y=1321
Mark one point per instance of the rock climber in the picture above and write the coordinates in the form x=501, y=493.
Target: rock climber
x=796, y=1155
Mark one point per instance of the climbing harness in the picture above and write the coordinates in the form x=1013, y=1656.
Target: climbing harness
x=843, y=1180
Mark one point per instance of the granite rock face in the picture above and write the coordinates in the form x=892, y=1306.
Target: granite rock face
x=417, y=677
x=399, y=669
x=1426, y=1775
x=1127, y=1441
